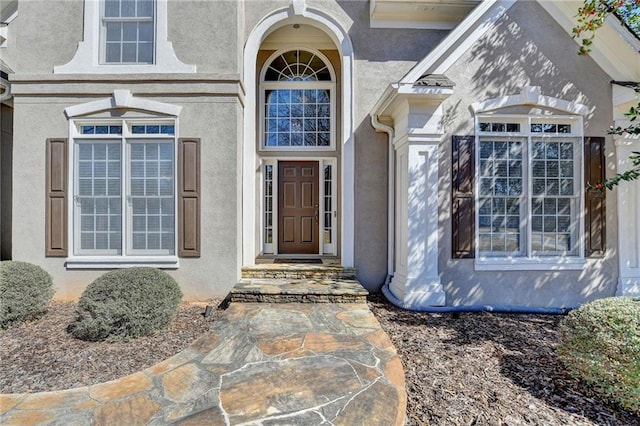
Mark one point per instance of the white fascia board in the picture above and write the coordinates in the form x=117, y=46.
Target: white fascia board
x=474, y=26
x=613, y=48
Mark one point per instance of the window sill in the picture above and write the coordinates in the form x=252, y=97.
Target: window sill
x=117, y=262
x=529, y=264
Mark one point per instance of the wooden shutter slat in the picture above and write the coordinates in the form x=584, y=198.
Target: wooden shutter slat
x=56, y=201
x=463, y=197
x=595, y=201
x=189, y=197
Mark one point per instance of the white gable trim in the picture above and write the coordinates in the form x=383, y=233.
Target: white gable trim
x=459, y=40
x=613, y=48
x=122, y=99
x=530, y=95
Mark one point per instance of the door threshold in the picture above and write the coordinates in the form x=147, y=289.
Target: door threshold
x=298, y=258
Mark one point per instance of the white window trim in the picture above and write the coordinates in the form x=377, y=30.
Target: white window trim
x=87, y=59
x=323, y=249
x=529, y=262
x=89, y=261
x=274, y=85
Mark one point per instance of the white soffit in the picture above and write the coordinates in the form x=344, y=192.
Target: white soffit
x=614, y=48
x=419, y=14
x=474, y=26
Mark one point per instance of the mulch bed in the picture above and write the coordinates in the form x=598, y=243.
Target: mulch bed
x=467, y=369
x=41, y=356
x=489, y=369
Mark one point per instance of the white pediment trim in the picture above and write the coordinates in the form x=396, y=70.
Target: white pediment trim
x=530, y=95
x=451, y=49
x=119, y=100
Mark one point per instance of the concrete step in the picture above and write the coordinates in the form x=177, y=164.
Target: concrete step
x=287, y=290
x=298, y=271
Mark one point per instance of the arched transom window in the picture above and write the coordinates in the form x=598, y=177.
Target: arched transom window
x=298, y=102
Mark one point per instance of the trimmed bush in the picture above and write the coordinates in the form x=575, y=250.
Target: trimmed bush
x=25, y=292
x=601, y=346
x=126, y=303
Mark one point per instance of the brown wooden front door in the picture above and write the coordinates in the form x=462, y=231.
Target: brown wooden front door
x=298, y=204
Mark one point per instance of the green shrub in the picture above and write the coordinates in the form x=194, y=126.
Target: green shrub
x=601, y=345
x=25, y=292
x=126, y=303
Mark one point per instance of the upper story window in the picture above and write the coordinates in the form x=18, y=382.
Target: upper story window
x=529, y=180
x=128, y=31
x=298, y=98
x=125, y=36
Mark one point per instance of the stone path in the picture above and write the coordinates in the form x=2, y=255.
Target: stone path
x=261, y=364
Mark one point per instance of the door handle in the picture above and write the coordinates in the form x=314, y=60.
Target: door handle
x=317, y=216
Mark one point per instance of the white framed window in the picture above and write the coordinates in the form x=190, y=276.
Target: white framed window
x=127, y=31
x=529, y=201
x=125, y=36
x=124, y=190
x=298, y=102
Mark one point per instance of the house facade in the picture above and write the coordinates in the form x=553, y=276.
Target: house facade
x=440, y=148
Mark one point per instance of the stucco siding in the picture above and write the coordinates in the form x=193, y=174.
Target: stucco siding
x=526, y=47
x=213, y=120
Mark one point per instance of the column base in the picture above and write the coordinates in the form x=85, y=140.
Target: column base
x=629, y=287
x=418, y=292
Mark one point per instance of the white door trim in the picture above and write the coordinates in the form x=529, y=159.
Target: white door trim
x=251, y=239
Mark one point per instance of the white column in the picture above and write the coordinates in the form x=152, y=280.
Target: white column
x=416, y=281
x=628, y=197
x=628, y=222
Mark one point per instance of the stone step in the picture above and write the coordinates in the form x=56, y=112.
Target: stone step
x=286, y=290
x=299, y=271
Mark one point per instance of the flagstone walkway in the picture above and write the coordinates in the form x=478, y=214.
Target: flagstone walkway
x=261, y=364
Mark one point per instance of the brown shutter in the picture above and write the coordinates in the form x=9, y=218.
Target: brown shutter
x=594, y=203
x=56, y=202
x=189, y=197
x=463, y=198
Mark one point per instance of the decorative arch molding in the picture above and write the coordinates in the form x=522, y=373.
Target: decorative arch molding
x=297, y=12
x=122, y=99
x=530, y=95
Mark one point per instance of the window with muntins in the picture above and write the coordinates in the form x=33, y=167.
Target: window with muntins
x=529, y=187
x=128, y=31
x=298, y=102
x=124, y=189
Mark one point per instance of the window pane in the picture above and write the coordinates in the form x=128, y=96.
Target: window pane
x=128, y=52
x=128, y=8
x=97, y=214
x=113, y=52
x=145, y=8
x=129, y=31
x=145, y=53
x=112, y=8
x=114, y=31
x=152, y=196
